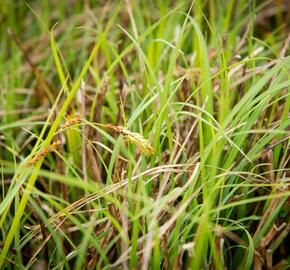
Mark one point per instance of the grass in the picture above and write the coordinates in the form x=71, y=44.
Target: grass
x=144, y=134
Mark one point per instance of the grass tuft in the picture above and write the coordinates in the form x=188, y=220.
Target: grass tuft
x=144, y=134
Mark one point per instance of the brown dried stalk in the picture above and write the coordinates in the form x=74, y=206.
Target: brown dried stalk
x=43, y=84
x=94, y=162
x=134, y=138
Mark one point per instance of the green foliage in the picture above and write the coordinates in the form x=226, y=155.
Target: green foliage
x=149, y=134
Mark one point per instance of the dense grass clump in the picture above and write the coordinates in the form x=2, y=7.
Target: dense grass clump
x=144, y=134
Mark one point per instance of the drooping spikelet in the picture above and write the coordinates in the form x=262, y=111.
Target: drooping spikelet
x=44, y=152
x=70, y=122
x=134, y=138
